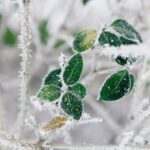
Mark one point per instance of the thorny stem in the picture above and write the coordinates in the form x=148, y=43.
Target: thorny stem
x=25, y=64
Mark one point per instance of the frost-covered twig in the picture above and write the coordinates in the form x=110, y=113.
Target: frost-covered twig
x=2, y=113
x=140, y=84
x=130, y=50
x=24, y=45
x=12, y=143
x=92, y=147
x=92, y=75
x=127, y=137
x=106, y=116
x=141, y=113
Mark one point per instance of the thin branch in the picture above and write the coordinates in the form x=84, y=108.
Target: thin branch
x=11, y=142
x=128, y=50
x=26, y=60
x=94, y=147
x=106, y=116
x=92, y=75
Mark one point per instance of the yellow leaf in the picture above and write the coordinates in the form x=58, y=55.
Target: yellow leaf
x=55, y=123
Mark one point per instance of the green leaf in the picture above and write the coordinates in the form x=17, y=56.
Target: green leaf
x=73, y=70
x=49, y=92
x=126, y=30
x=109, y=38
x=116, y=86
x=72, y=105
x=126, y=60
x=125, y=41
x=59, y=43
x=85, y=1
x=121, y=60
x=132, y=82
x=113, y=40
x=9, y=37
x=53, y=78
x=128, y=35
x=43, y=31
x=85, y=40
x=78, y=90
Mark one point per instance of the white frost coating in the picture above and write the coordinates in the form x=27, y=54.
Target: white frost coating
x=54, y=134
x=92, y=147
x=10, y=142
x=145, y=131
x=30, y=123
x=128, y=50
x=87, y=119
x=127, y=136
x=139, y=140
x=25, y=40
x=142, y=112
x=144, y=103
x=41, y=105
x=62, y=63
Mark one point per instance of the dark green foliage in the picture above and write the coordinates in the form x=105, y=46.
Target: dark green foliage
x=53, y=78
x=9, y=37
x=49, y=92
x=84, y=40
x=126, y=30
x=125, y=60
x=85, y=1
x=43, y=31
x=116, y=86
x=125, y=41
x=72, y=105
x=73, y=70
x=127, y=36
x=51, y=86
x=109, y=38
x=72, y=100
x=78, y=90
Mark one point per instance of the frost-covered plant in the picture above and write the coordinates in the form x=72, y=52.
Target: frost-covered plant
x=62, y=84
x=64, y=89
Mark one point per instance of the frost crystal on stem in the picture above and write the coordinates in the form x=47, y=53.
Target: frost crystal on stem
x=25, y=37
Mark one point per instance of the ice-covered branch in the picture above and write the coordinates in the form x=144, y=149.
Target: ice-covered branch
x=25, y=37
x=12, y=143
x=93, y=147
x=130, y=50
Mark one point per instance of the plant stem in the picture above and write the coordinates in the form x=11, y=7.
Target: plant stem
x=94, y=147
x=25, y=64
x=10, y=141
